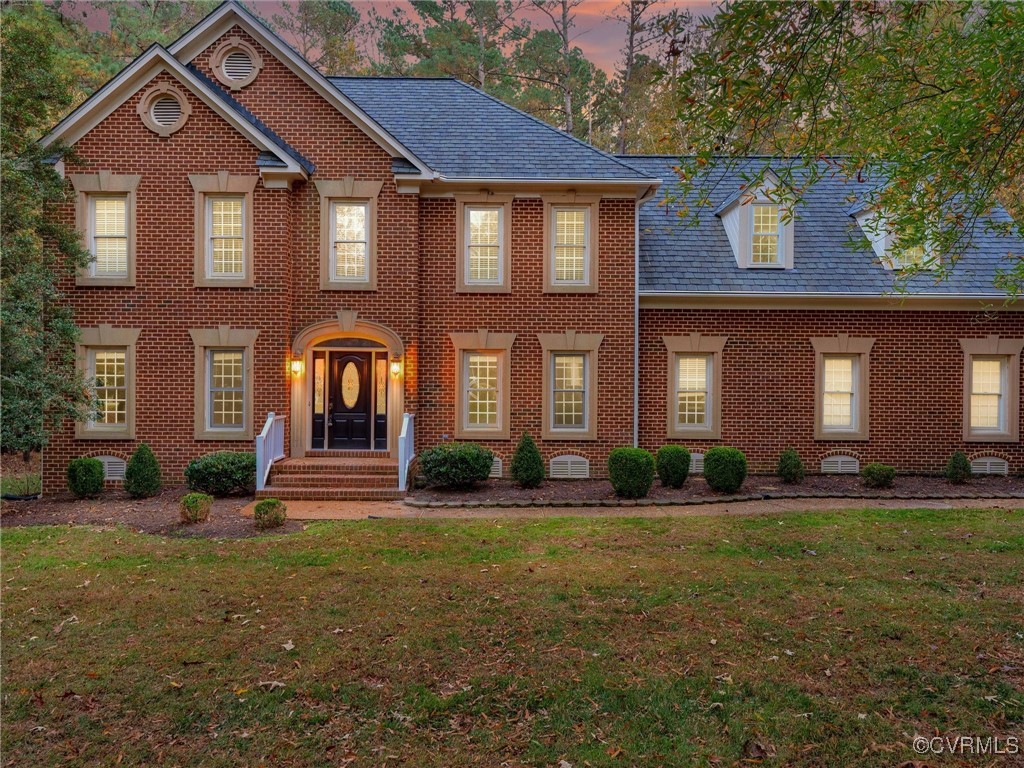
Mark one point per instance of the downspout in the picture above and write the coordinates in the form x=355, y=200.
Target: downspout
x=636, y=322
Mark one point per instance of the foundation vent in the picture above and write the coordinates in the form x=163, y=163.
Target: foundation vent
x=569, y=467
x=989, y=465
x=840, y=465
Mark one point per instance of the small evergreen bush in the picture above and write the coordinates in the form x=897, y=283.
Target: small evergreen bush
x=958, y=468
x=270, y=513
x=85, y=477
x=527, y=465
x=791, y=467
x=631, y=471
x=195, y=507
x=725, y=469
x=142, y=475
x=878, y=475
x=673, y=465
x=222, y=473
x=456, y=466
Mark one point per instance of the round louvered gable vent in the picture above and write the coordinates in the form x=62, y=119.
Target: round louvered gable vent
x=238, y=65
x=166, y=111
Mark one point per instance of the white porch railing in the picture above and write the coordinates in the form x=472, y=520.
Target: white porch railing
x=269, y=448
x=406, y=449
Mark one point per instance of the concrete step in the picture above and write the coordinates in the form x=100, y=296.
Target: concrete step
x=315, y=480
x=329, y=494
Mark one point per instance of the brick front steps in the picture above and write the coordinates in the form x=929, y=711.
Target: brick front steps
x=334, y=475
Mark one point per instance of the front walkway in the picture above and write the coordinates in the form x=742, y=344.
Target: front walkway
x=363, y=510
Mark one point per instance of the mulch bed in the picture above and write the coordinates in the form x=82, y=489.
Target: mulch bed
x=582, y=492
x=158, y=514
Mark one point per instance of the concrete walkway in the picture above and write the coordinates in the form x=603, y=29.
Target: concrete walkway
x=363, y=510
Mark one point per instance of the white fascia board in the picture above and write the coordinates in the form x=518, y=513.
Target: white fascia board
x=828, y=300
x=197, y=39
x=131, y=79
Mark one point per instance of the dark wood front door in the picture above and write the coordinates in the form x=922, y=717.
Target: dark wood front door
x=349, y=404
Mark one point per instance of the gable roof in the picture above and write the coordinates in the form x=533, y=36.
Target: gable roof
x=681, y=259
x=466, y=134
x=153, y=61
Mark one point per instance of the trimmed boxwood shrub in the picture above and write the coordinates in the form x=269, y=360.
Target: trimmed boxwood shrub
x=85, y=477
x=270, y=513
x=527, y=465
x=222, y=473
x=958, y=468
x=195, y=507
x=725, y=469
x=673, y=465
x=791, y=467
x=456, y=466
x=878, y=475
x=142, y=475
x=631, y=471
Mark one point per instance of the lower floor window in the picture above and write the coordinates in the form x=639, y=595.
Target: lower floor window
x=693, y=385
x=226, y=388
x=482, y=390
x=108, y=371
x=839, y=392
x=988, y=384
x=570, y=393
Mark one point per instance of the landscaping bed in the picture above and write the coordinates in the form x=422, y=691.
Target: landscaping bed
x=696, y=490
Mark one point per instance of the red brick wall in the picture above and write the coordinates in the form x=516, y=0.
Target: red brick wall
x=916, y=389
x=527, y=311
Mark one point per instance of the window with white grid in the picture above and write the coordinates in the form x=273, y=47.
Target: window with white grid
x=481, y=388
x=693, y=391
x=226, y=382
x=988, y=383
x=839, y=393
x=108, y=371
x=483, y=245
x=909, y=258
x=350, y=248
x=569, y=409
x=108, y=231
x=764, y=247
x=571, y=242
x=225, y=217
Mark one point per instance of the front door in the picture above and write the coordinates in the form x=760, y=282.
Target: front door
x=349, y=402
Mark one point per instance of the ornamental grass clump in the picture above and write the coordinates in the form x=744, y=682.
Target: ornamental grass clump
x=195, y=507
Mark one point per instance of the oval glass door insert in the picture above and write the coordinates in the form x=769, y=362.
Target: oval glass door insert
x=350, y=385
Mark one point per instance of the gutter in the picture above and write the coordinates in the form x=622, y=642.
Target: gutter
x=636, y=322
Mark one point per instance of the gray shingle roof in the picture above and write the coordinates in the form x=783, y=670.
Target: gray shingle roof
x=827, y=259
x=462, y=132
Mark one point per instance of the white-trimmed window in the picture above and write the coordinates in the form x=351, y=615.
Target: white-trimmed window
x=765, y=234
x=909, y=258
x=225, y=228
x=693, y=381
x=482, y=390
x=839, y=393
x=107, y=368
x=483, y=261
x=226, y=389
x=350, y=245
x=570, y=238
x=108, y=235
x=483, y=372
x=988, y=394
x=569, y=391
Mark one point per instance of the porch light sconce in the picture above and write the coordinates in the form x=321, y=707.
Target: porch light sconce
x=396, y=366
x=297, y=366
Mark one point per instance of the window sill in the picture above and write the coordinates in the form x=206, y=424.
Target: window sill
x=461, y=433
x=839, y=436
x=84, y=433
x=556, y=288
x=679, y=433
x=209, y=282
x=83, y=281
x=337, y=285
x=224, y=435
x=567, y=435
x=474, y=288
x=990, y=437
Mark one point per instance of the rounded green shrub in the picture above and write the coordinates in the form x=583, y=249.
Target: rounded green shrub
x=270, y=513
x=878, y=475
x=673, y=465
x=456, y=466
x=958, y=468
x=527, y=465
x=85, y=477
x=791, y=467
x=725, y=469
x=222, y=473
x=631, y=471
x=142, y=475
x=195, y=507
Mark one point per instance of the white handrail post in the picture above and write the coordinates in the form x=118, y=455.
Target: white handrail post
x=406, y=449
x=263, y=460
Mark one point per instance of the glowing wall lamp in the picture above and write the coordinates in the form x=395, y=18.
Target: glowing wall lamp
x=396, y=366
x=297, y=366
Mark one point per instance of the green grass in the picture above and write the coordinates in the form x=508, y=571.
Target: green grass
x=21, y=485
x=830, y=639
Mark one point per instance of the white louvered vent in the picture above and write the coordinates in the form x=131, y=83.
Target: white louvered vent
x=840, y=465
x=166, y=111
x=237, y=65
x=989, y=465
x=569, y=467
x=113, y=467
x=696, y=463
x=496, y=467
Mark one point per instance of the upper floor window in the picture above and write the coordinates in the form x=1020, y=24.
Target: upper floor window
x=225, y=254
x=108, y=235
x=571, y=239
x=765, y=235
x=224, y=230
x=351, y=243
x=348, y=234
x=483, y=258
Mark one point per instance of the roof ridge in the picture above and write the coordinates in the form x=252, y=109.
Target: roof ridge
x=390, y=77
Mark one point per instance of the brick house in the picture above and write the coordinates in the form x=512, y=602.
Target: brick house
x=336, y=270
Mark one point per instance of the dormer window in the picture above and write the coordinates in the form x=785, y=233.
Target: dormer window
x=883, y=239
x=765, y=236
x=909, y=258
x=759, y=226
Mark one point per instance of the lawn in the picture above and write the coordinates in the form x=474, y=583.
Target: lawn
x=796, y=640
